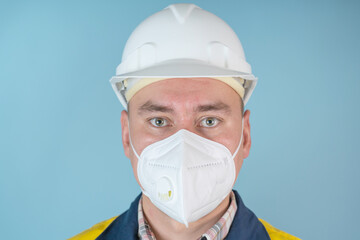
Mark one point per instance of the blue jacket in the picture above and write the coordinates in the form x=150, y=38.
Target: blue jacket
x=245, y=226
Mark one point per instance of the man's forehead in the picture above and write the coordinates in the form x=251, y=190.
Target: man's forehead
x=192, y=94
x=182, y=86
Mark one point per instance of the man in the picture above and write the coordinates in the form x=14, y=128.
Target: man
x=184, y=81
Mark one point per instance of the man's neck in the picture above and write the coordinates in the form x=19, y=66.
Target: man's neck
x=164, y=227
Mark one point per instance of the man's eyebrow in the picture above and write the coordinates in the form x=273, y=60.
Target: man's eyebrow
x=149, y=106
x=218, y=106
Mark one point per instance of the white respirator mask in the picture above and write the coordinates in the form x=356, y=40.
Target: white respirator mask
x=185, y=175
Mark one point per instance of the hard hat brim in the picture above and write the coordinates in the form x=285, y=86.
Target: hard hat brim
x=186, y=68
x=181, y=68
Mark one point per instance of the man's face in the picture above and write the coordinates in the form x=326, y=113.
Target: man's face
x=204, y=106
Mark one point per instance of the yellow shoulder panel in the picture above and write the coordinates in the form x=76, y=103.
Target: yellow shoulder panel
x=276, y=234
x=94, y=231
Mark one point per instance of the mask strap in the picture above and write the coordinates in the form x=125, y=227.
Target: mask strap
x=132, y=146
x=241, y=138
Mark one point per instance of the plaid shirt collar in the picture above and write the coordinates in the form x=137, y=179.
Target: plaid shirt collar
x=216, y=232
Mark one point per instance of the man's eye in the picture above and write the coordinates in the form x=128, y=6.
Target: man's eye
x=159, y=122
x=209, y=122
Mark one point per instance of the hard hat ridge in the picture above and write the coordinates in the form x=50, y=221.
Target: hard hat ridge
x=181, y=11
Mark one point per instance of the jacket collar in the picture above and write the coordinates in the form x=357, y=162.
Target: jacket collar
x=245, y=226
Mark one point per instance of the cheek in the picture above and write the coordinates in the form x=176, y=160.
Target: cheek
x=142, y=140
x=229, y=134
x=230, y=138
x=142, y=135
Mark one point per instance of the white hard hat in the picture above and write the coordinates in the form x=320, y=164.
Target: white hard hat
x=182, y=41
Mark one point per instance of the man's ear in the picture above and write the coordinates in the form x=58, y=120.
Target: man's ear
x=125, y=132
x=246, y=134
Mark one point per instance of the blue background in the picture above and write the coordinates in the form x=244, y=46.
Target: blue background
x=62, y=167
